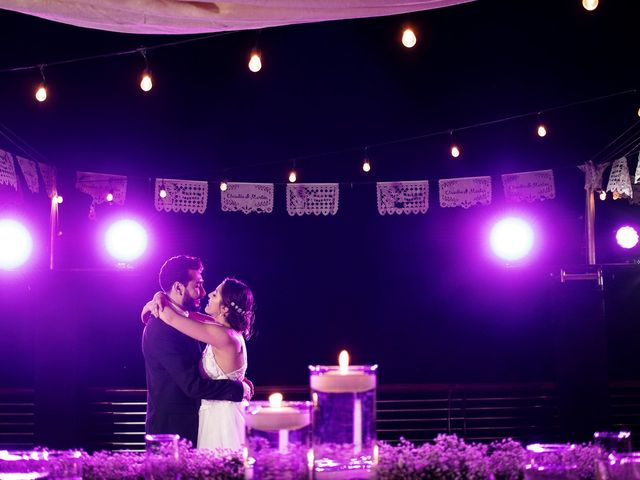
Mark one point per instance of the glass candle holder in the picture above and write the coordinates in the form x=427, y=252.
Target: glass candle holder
x=610, y=442
x=278, y=440
x=162, y=457
x=624, y=466
x=551, y=461
x=23, y=465
x=344, y=421
x=64, y=464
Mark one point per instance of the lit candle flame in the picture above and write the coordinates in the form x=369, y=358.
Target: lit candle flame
x=275, y=400
x=343, y=360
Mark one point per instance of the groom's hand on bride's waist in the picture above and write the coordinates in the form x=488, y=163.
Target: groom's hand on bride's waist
x=248, y=389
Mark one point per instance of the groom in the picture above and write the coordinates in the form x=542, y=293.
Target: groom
x=174, y=384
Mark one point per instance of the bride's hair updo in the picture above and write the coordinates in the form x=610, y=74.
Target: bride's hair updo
x=238, y=298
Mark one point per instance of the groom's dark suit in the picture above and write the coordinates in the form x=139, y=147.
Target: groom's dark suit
x=174, y=384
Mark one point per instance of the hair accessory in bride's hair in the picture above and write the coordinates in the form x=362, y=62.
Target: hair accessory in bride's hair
x=237, y=308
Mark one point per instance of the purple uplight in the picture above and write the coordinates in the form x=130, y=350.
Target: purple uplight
x=627, y=237
x=511, y=238
x=126, y=240
x=15, y=244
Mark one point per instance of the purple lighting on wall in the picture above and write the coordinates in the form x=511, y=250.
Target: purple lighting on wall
x=15, y=244
x=511, y=238
x=126, y=240
x=627, y=237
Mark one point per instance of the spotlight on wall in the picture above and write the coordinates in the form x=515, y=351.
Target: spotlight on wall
x=511, y=239
x=15, y=244
x=126, y=240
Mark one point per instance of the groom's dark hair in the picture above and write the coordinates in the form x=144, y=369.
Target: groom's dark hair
x=176, y=269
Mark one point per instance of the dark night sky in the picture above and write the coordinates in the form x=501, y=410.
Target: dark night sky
x=399, y=291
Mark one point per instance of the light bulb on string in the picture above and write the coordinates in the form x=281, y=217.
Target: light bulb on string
x=603, y=195
x=454, y=150
x=41, y=91
x=110, y=197
x=146, y=83
x=224, y=186
x=590, y=5
x=638, y=112
x=366, y=163
x=292, y=176
x=542, y=131
x=163, y=191
x=255, y=62
x=57, y=199
x=409, y=39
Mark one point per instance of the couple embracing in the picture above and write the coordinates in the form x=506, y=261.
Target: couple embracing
x=197, y=394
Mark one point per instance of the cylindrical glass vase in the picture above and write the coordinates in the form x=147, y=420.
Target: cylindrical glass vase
x=551, y=461
x=344, y=421
x=162, y=457
x=278, y=440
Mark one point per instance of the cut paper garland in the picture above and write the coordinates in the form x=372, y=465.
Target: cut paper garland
x=30, y=173
x=465, y=192
x=529, y=186
x=99, y=185
x=182, y=195
x=403, y=197
x=312, y=198
x=593, y=175
x=48, y=178
x=247, y=197
x=619, y=180
x=8, y=170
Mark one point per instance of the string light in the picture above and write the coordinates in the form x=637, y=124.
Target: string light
x=255, y=62
x=409, y=39
x=293, y=178
x=603, y=195
x=146, y=83
x=638, y=112
x=163, y=191
x=590, y=5
x=109, y=197
x=223, y=186
x=41, y=91
x=455, y=150
x=366, y=163
x=57, y=199
x=542, y=131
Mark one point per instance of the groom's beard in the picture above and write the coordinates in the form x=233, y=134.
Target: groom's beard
x=190, y=304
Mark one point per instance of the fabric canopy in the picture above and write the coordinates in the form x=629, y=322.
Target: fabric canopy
x=183, y=17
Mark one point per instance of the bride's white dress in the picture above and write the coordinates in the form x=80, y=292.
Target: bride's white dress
x=221, y=422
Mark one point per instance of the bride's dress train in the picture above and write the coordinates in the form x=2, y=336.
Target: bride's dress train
x=221, y=422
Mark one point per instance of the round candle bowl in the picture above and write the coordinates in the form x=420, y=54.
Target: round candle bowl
x=278, y=440
x=344, y=420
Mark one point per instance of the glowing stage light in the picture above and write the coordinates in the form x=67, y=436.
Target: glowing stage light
x=511, y=238
x=15, y=244
x=409, y=39
x=627, y=237
x=126, y=240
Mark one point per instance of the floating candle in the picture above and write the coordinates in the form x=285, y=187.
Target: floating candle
x=277, y=417
x=343, y=379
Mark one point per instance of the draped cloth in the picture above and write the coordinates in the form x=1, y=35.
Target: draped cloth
x=187, y=17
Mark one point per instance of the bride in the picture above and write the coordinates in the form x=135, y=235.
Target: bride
x=229, y=321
